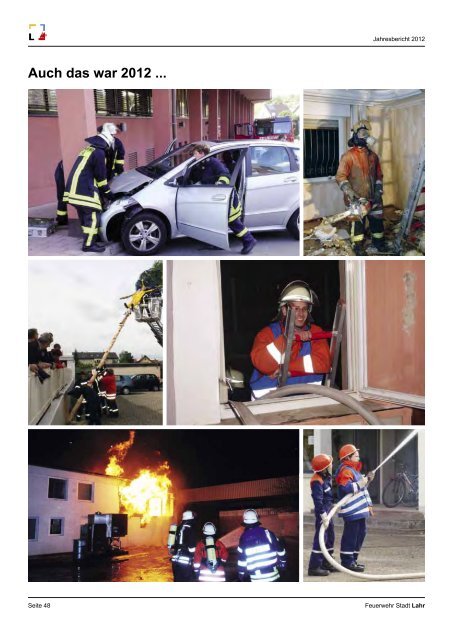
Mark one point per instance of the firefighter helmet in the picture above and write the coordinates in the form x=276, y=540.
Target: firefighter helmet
x=347, y=450
x=188, y=515
x=108, y=131
x=209, y=529
x=250, y=517
x=298, y=290
x=321, y=462
x=361, y=124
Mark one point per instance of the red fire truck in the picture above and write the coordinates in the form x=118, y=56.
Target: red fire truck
x=279, y=128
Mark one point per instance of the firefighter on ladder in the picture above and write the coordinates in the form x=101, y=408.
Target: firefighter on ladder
x=310, y=360
x=262, y=556
x=212, y=171
x=182, y=545
x=355, y=513
x=210, y=556
x=321, y=493
x=359, y=176
x=87, y=188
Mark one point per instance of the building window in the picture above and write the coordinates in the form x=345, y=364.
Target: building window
x=85, y=491
x=205, y=103
x=309, y=449
x=123, y=102
x=182, y=103
x=42, y=102
x=321, y=148
x=32, y=528
x=57, y=489
x=56, y=526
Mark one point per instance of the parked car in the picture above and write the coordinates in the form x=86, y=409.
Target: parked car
x=163, y=199
x=140, y=382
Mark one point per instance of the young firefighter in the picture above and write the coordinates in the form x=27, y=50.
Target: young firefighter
x=210, y=557
x=321, y=492
x=350, y=481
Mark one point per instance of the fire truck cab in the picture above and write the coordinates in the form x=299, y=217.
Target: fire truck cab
x=278, y=128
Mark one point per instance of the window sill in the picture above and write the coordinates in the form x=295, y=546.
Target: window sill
x=319, y=180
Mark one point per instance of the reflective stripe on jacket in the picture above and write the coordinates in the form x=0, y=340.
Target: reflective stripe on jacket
x=347, y=479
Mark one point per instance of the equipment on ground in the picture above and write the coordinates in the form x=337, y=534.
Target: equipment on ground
x=101, y=537
x=41, y=227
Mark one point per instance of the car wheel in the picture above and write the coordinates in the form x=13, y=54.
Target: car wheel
x=144, y=234
x=126, y=391
x=293, y=225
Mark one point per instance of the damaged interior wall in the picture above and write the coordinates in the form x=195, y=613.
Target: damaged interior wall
x=400, y=131
x=396, y=339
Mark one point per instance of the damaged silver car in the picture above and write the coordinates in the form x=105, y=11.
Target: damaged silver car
x=163, y=199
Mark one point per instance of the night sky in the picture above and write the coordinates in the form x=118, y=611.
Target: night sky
x=197, y=457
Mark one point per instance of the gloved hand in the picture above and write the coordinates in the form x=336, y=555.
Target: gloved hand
x=349, y=192
x=325, y=519
x=363, y=482
x=370, y=475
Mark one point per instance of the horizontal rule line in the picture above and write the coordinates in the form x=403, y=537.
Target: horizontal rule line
x=226, y=597
x=227, y=46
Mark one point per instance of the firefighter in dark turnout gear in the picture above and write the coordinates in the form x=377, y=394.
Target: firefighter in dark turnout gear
x=262, y=556
x=116, y=153
x=87, y=187
x=359, y=176
x=212, y=171
x=90, y=402
x=62, y=207
x=183, y=549
x=321, y=492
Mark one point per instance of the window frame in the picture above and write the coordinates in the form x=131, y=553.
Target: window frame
x=88, y=484
x=50, y=526
x=36, y=519
x=341, y=122
x=65, y=480
x=47, y=112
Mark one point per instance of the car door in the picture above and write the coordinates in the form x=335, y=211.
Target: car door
x=202, y=210
x=272, y=188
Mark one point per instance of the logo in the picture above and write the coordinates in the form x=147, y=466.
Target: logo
x=37, y=32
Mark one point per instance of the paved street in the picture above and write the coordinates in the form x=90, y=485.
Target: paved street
x=67, y=241
x=142, y=564
x=141, y=408
x=384, y=552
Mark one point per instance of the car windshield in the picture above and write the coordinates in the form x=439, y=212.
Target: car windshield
x=167, y=162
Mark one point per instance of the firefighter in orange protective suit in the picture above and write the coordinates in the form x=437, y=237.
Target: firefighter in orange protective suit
x=359, y=176
x=210, y=556
x=310, y=360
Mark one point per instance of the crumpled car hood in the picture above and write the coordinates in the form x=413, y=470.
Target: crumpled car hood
x=129, y=181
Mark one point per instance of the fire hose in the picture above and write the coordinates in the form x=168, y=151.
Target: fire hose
x=345, y=500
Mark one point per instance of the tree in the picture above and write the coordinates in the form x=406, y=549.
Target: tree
x=125, y=356
x=75, y=354
x=152, y=277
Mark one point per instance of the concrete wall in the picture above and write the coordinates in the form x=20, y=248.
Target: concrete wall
x=41, y=396
x=195, y=342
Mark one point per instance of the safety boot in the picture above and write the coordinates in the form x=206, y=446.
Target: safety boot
x=358, y=249
x=318, y=572
x=329, y=567
x=93, y=248
x=357, y=568
x=62, y=219
x=248, y=245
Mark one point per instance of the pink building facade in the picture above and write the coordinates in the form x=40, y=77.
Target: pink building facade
x=58, y=131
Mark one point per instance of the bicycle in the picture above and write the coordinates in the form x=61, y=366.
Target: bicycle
x=402, y=488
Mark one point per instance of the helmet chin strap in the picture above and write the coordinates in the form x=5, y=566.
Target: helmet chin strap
x=108, y=138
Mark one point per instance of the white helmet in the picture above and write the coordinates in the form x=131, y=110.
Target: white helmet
x=108, y=131
x=297, y=290
x=250, y=517
x=209, y=529
x=188, y=515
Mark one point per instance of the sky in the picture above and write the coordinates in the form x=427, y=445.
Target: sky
x=78, y=301
x=197, y=457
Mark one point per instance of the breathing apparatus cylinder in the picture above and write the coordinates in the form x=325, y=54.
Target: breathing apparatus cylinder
x=171, y=535
x=210, y=551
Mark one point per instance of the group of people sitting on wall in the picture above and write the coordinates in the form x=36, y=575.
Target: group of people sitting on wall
x=40, y=356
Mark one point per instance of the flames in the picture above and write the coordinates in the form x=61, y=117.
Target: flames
x=149, y=494
x=117, y=454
